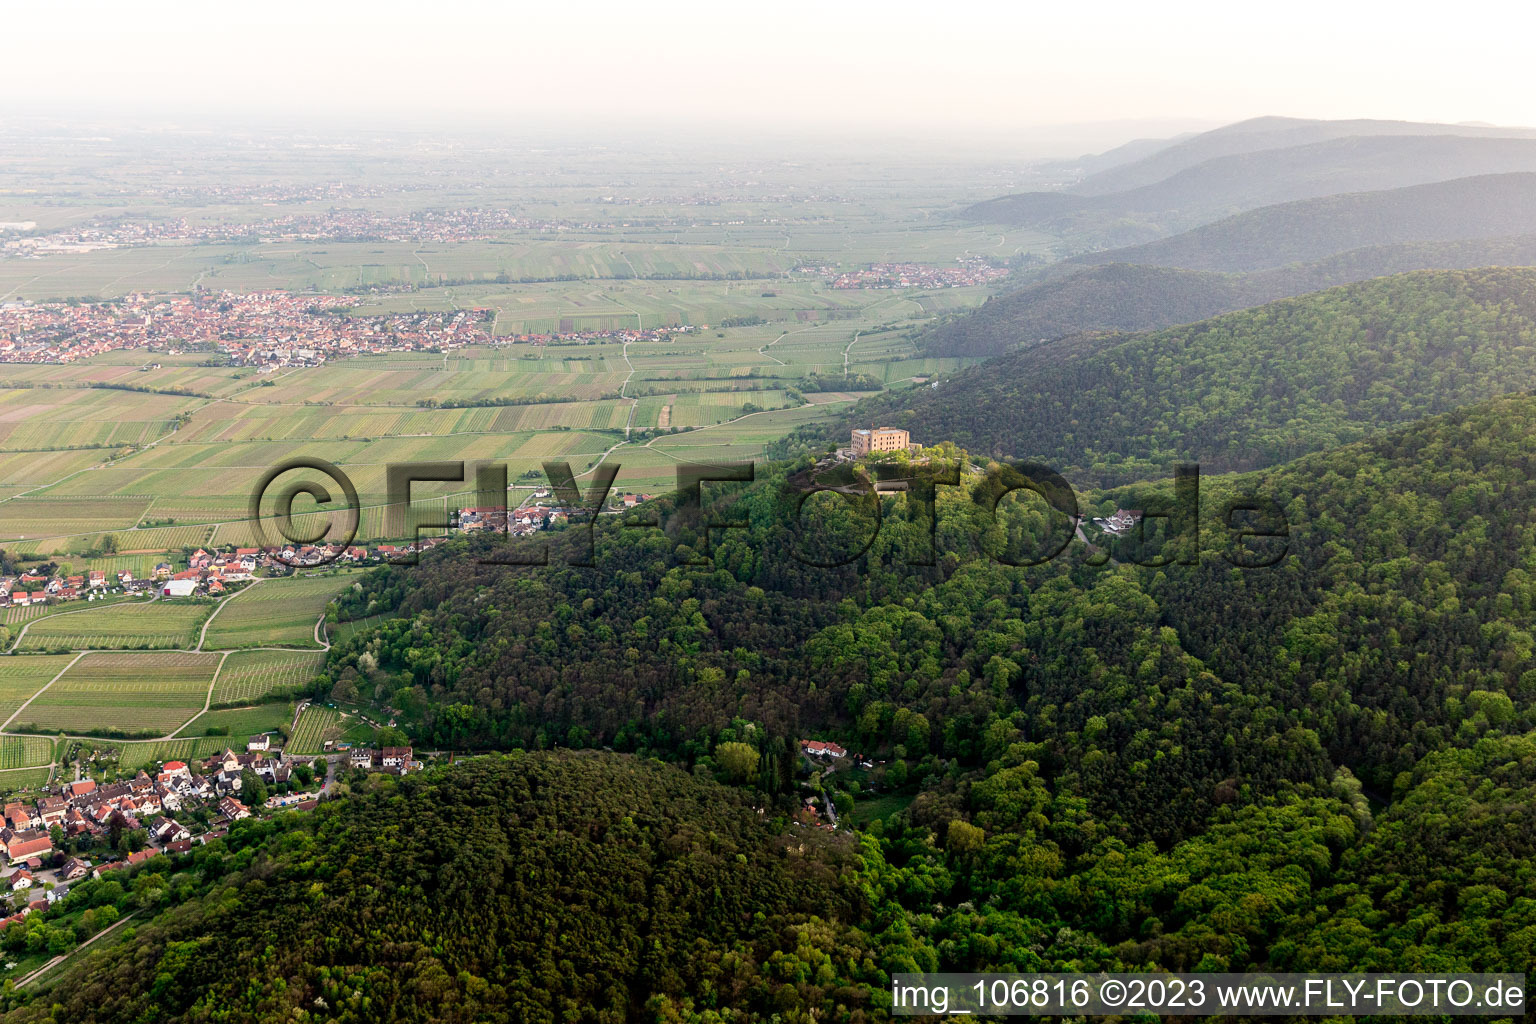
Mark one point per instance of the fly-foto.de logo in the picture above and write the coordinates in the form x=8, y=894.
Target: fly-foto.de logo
x=1165, y=531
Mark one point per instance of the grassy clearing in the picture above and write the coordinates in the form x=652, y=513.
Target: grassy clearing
x=341, y=632
x=129, y=693
x=239, y=723
x=867, y=809
x=32, y=779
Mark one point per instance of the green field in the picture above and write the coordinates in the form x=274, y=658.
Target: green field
x=241, y=722
x=341, y=632
x=151, y=692
x=309, y=736
x=250, y=675
x=140, y=625
x=276, y=612
x=28, y=779
x=25, y=751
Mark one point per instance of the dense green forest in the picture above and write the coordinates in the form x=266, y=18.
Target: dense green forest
x=1239, y=391
x=541, y=888
x=1325, y=764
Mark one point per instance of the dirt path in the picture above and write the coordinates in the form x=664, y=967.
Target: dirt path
x=65, y=956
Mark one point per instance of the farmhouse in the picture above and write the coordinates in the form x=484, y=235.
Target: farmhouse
x=22, y=845
x=817, y=748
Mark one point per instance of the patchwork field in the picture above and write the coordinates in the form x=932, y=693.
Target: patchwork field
x=150, y=692
x=309, y=736
x=277, y=612
x=139, y=625
x=251, y=675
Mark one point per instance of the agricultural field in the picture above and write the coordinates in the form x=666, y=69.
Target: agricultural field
x=25, y=751
x=276, y=612
x=309, y=736
x=150, y=692
x=20, y=678
x=138, y=625
x=236, y=724
x=251, y=675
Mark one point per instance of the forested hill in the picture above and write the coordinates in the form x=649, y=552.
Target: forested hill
x=1239, y=391
x=1132, y=297
x=1324, y=765
x=545, y=887
x=1487, y=206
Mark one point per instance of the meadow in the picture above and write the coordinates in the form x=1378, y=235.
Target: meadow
x=237, y=724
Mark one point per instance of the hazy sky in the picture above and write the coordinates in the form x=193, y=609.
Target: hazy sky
x=957, y=68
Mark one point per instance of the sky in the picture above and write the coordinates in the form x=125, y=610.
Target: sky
x=1070, y=76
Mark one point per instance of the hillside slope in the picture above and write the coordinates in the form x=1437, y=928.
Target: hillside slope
x=1334, y=758
x=1243, y=390
x=548, y=886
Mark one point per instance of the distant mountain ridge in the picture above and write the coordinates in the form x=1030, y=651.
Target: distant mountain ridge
x=1139, y=297
x=1232, y=184
x=1240, y=391
x=1257, y=257
x=1263, y=133
x=1483, y=206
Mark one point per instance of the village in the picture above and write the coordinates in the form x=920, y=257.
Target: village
x=221, y=571
x=469, y=224
x=269, y=330
x=89, y=829
x=294, y=329
x=970, y=273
